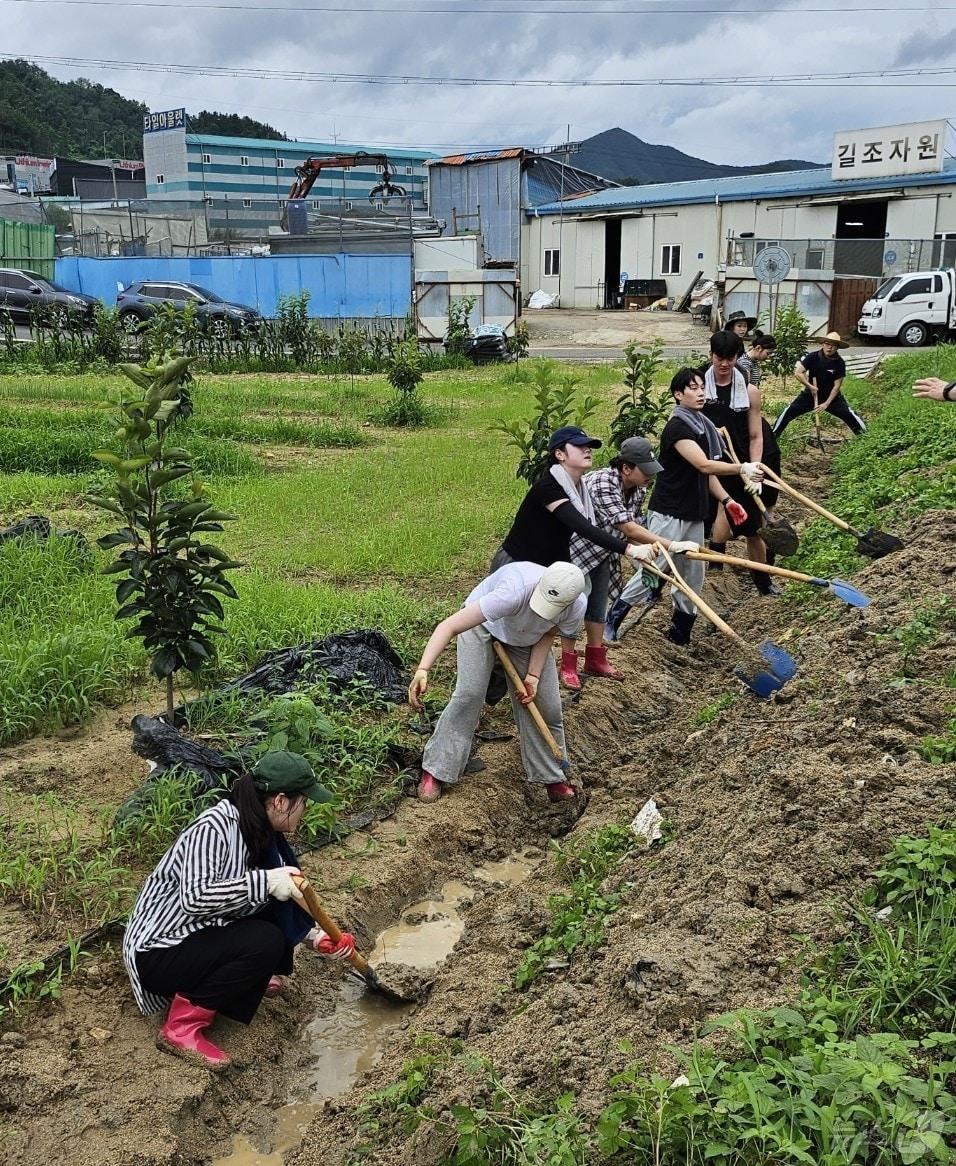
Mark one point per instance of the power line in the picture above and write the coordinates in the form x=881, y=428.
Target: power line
x=590, y=10
x=870, y=78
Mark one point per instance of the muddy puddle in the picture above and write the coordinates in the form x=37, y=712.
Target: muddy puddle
x=351, y=1041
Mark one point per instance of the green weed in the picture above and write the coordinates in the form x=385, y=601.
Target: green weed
x=923, y=628
x=578, y=915
x=708, y=713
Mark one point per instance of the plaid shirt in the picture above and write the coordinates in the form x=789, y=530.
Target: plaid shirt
x=611, y=507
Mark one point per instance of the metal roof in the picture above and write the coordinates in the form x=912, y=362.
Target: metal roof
x=478, y=156
x=304, y=148
x=743, y=188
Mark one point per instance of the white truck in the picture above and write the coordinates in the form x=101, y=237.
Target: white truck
x=912, y=308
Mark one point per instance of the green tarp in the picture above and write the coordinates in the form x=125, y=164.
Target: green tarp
x=27, y=245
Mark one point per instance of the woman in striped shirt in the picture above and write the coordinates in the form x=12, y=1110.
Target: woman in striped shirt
x=214, y=927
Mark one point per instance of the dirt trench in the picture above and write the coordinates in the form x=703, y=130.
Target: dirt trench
x=774, y=810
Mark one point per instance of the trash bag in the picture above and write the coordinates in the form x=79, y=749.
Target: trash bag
x=168, y=749
x=363, y=654
x=38, y=527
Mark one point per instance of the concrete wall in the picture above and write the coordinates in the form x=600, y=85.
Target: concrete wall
x=340, y=286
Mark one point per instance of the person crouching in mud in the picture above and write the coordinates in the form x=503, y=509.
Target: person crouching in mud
x=522, y=605
x=213, y=929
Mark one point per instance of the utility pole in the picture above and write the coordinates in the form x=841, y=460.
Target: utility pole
x=567, y=159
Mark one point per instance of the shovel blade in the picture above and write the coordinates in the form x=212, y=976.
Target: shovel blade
x=876, y=543
x=781, y=663
x=780, y=538
x=849, y=594
x=762, y=684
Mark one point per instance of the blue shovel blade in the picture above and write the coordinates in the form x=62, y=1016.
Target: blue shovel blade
x=781, y=663
x=848, y=593
x=763, y=684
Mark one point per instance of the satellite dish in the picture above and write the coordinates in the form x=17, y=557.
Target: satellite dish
x=772, y=265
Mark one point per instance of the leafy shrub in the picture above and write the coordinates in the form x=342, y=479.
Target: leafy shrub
x=642, y=409
x=556, y=405
x=790, y=330
x=459, y=328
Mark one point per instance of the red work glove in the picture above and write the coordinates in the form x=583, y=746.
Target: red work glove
x=736, y=513
x=325, y=946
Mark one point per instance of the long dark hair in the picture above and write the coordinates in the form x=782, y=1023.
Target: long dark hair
x=257, y=831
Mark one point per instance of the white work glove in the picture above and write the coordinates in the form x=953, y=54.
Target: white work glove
x=640, y=552
x=279, y=883
x=682, y=547
x=752, y=476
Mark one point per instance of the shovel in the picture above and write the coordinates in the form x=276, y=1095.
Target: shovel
x=838, y=587
x=873, y=543
x=777, y=533
x=816, y=415
x=359, y=964
x=782, y=666
x=540, y=723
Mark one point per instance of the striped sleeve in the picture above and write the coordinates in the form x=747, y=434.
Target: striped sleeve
x=203, y=889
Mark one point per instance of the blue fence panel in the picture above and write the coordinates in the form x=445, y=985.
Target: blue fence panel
x=340, y=286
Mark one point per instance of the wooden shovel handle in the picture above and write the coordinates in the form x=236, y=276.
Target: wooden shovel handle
x=325, y=920
x=804, y=500
x=736, y=460
x=753, y=565
x=512, y=673
x=677, y=580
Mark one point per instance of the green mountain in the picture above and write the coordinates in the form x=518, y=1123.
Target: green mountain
x=79, y=119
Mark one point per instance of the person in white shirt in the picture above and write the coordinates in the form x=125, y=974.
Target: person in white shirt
x=522, y=605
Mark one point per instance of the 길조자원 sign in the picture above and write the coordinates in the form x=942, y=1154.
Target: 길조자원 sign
x=917, y=148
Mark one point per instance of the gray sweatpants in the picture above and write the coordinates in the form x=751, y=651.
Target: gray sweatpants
x=692, y=570
x=448, y=748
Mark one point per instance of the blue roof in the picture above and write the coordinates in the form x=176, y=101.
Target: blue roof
x=741, y=188
x=305, y=148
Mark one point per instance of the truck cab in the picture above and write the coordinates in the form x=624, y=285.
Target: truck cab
x=913, y=308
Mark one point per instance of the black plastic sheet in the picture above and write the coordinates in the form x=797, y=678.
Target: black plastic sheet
x=38, y=527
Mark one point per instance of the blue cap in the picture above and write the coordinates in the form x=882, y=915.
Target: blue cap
x=571, y=435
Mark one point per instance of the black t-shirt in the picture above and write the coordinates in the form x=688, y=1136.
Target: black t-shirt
x=538, y=535
x=825, y=371
x=736, y=422
x=680, y=491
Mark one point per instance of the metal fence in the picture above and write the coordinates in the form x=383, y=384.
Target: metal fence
x=879, y=258
x=232, y=226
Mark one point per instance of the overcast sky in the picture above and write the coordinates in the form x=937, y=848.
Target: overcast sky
x=736, y=125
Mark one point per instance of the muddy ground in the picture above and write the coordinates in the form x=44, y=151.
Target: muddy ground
x=775, y=810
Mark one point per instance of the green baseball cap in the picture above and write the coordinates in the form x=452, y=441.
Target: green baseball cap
x=282, y=772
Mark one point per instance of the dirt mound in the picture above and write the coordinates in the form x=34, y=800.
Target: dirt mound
x=773, y=810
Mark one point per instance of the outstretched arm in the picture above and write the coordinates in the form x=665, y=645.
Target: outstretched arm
x=468, y=617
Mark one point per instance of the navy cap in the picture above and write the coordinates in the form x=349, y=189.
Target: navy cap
x=571, y=435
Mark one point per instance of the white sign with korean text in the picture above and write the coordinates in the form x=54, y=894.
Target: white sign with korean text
x=169, y=119
x=887, y=150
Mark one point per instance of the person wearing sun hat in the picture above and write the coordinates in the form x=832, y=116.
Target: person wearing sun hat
x=521, y=605
x=821, y=373
x=739, y=323
x=215, y=924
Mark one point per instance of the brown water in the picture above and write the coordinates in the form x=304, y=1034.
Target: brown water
x=350, y=1041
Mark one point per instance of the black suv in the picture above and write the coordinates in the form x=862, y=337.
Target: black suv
x=217, y=316
x=23, y=292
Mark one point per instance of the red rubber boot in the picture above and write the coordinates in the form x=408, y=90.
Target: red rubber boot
x=182, y=1034
x=596, y=663
x=569, y=671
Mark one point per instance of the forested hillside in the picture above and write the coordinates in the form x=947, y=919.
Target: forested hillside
x=41, y=115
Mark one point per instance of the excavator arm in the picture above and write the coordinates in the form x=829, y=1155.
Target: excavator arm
x=311, y=168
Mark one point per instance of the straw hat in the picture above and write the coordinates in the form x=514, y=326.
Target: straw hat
x=834, y=338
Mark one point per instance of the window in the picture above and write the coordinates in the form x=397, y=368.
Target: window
x=815, y=258
x=247, y=202
x=19, y=282
x=937, y=283
x=552, y=261
x=280, y=163
x=670, y=259
x=912, y=287
x=348, y=206
x=409, y=169
x=207, y=199
x=160, y=179
x=380, y=206
x=206, y=158
x=315, y=204
x=243, y=159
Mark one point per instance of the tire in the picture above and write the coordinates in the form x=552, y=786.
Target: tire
x=131, y=322
x=913, y=335
x=219, y=328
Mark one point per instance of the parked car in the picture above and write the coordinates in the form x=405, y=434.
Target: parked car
x=23, y=292
x=217, y=316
